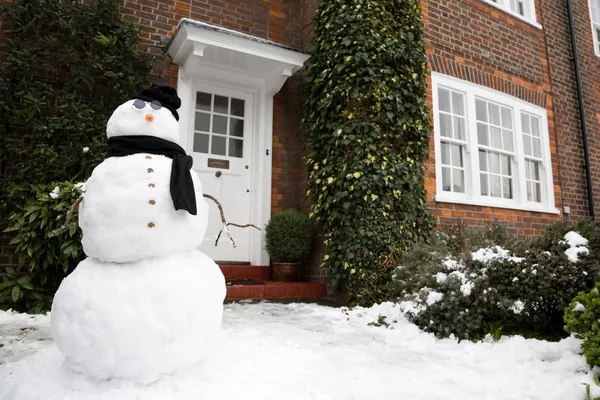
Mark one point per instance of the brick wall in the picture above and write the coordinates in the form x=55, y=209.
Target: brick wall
x=476, y=42
x=565, y=101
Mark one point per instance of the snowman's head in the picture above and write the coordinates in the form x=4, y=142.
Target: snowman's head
x=152, y=112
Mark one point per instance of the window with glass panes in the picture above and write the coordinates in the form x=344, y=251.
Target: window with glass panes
x=496, y=148
x=491, y=149
x=532, y=147
x=453, y=131
x=595, y=18
x=524, y=9
x=219, y=125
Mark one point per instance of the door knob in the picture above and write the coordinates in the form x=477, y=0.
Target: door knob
x=218, y=174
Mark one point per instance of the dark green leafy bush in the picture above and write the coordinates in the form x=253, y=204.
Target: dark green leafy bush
x=288, y=236
x=42, y=261
x=367, y=135
x=582, y=317
x=66, y=66
x=470, y=294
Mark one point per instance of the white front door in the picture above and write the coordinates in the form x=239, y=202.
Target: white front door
x=220, y=141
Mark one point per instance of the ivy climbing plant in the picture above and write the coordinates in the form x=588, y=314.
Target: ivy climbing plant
x=367, y=135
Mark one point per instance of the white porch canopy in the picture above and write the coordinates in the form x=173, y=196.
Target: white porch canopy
x=210, y=50
x=228, y=61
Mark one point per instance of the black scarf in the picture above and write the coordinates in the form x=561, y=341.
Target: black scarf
x=182, y=186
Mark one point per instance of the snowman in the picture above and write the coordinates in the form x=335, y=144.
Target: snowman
x=145, y=302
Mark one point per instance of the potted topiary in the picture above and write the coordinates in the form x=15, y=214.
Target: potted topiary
x=288, y=237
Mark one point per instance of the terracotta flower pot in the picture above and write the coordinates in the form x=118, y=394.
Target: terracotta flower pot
x=286, y=272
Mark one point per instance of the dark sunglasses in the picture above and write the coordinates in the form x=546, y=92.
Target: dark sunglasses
x=139, y=104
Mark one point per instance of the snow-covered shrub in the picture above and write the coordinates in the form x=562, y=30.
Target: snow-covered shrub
x=523, y=291
x=582, y=317
x=42, y=261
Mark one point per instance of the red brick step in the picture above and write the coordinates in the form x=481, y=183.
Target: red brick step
x=255, y=272
x=276, y=290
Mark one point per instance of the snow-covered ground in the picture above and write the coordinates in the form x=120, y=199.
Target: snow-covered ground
x=306, y=351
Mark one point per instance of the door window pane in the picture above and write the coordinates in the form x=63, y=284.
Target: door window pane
x=203, y=101
x=237, y=107
x=202, y=122
x=236, y=127
x=218, y=146
x=219, y=124
x=236, y=148
x=221, y=104
x=201, y=143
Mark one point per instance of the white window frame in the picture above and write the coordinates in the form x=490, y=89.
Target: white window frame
x=595, y=25
x=472, y=194
x=507, y=7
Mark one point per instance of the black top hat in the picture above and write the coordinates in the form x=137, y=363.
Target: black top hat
x=165, y=95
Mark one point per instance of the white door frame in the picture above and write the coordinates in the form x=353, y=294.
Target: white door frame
x=261, y=146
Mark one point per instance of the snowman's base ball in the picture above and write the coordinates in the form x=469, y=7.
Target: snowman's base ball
x=139, y=320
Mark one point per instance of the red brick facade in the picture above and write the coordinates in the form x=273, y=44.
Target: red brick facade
x=467, y=39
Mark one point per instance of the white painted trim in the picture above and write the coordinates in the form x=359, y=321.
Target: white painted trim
x=595, y=38
x=472, y=186
x=502, y=6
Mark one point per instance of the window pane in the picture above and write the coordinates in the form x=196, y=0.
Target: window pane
x=494, y=160
x=536, y=170
x=507, y=140
x=444, y=100
x=507, y=188
x=446, y=180
x=459, y=128
x=483, y=181
x=236, y=127
x=505, y=164
x=219, y=124
x=203, y=101
x=202, y=122
x=218, y=146
x=481, y=110
x=536, y=143
x=221, y=104
x=528, y=169
x=494, y=114
x=496, y=137
x=458, y=104
x=482, y=160
x=506, y=118
x=458, y=181
x=445, y=125
x=525, y=123
x=495, y=186
x=482, y=134
x=537, y=192
x=456, y=156
x=236, y=148
x=527, y=145
x=200, y=143
x=445, y=154
x=530, y=191
x=237, y=107
x=535, y=126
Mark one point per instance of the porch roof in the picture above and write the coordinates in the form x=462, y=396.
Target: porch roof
x=197, y=47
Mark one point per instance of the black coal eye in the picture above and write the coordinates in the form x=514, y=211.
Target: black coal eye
x=155, y=104
x=139, y=104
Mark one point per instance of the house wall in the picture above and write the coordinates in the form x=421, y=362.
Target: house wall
x=476, y=42
x=276, y=20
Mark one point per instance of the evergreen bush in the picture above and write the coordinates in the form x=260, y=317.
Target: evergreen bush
x=288, y=236
x=367, y=134
x=66, y=66
x=449, y=291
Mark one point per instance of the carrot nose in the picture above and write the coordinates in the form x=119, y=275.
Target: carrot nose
x=149, y=117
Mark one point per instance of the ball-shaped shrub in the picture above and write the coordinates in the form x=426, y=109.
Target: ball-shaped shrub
x=288, y=236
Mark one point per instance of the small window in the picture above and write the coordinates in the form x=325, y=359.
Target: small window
x=523, y=9
x=595, y=18
x=219, y=125
x=491, y=149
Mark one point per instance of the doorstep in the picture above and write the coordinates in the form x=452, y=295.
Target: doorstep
x=250, y=282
